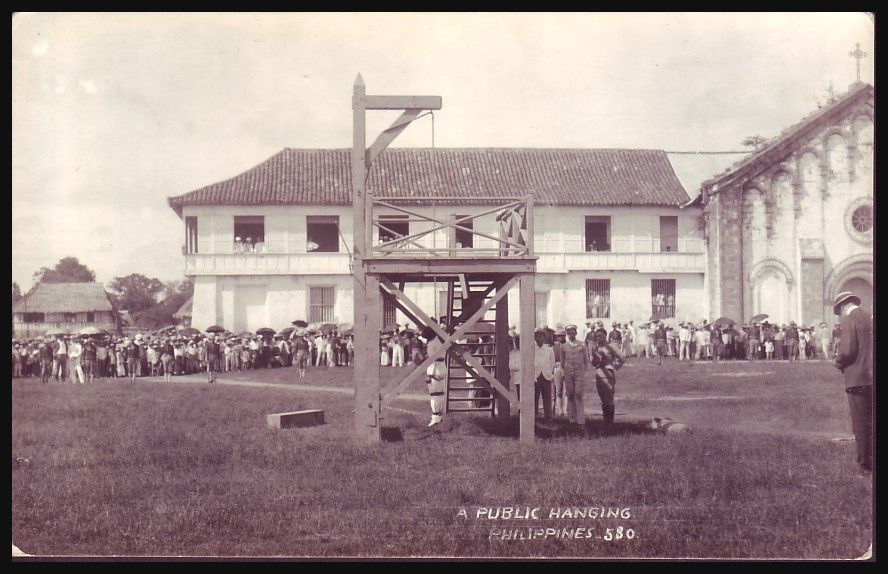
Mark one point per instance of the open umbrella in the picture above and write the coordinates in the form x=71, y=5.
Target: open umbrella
x=727, y=321
x=266, y=331
x=215, y=329
x=344, y=327
x=327, y=327
x=189, y=331
x=759, y=317
x=300, y=323
x=90, y=331
x=285, y=333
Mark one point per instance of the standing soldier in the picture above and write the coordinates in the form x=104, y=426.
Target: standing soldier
x=575, y=362
x=607, y=361
x=855, y=360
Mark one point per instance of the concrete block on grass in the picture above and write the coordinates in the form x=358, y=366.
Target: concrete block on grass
x=295, y=419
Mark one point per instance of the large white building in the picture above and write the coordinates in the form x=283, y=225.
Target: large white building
x=611, y=233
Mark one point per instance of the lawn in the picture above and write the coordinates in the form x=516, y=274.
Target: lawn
x=157, y=469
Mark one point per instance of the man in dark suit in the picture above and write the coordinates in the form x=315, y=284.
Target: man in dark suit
x=855, y=360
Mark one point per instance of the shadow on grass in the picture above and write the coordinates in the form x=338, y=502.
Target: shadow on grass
x=391, y=434
x=454, y=426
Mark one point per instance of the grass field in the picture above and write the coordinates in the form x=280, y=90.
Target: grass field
x=160, y=469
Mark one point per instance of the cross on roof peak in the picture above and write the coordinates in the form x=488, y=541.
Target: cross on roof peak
x=857, y=54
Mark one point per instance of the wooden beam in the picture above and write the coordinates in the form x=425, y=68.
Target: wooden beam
x=528, y=316
x=464, y=286
x=448, y=339
x=442, y=224
x=402, y=102
x=366, y=377
x=389, y=135
x=502, y=356
x=405, y=239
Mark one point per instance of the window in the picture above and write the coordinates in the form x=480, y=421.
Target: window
x=465, y=239
x=249, y=234
x=389, y=311
x=70, y=317
x=542, y=308
x=33, y=318
x=395, y=226
x=190, y=234
x=668, y=233
x=663, y=297
x=323, y=233
x=598, y=233
x=90, y=317
x=598, y=293
x=862, y=218
x=320, y=304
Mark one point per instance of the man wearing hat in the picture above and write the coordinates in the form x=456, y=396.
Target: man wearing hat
x=607, y=361
x=855, y=360
x=575, y=362
x=45, y=360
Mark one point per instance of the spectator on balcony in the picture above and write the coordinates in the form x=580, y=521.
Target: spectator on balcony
x=248, y=245
x=238, y=244
x=259, y=246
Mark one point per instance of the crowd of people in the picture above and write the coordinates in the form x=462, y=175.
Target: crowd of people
x=84, y=358
x=715, y=341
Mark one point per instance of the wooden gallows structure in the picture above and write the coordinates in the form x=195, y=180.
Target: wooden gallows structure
x=477, y=280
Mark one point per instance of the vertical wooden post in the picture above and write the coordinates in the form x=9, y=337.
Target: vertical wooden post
x=502, y=355
x=529, y=212
x=528, y=315
x=366, y=288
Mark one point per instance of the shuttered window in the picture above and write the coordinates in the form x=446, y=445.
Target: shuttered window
x=320, y=304
x=598, y=298
x=389, y=311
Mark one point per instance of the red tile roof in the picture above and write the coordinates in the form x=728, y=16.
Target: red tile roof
x=556, y=176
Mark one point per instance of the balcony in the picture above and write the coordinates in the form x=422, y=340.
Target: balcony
x=267, y=264
x=670, y=262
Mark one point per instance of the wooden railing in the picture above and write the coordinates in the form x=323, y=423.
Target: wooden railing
x=514, y=217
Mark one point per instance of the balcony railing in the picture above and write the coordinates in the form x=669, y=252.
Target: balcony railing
x=513, y=239
x=611, y=261
x=267, y=264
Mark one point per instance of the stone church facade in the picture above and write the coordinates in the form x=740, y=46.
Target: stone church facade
x=792, y=225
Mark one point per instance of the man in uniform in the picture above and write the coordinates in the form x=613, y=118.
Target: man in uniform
x=607, y=361
x=855, y=360
x=575, y=362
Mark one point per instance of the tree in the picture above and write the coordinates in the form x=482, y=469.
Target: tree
x=161, y=314
x=16, y=293
x=67, y=270
x=756, y=142
x=135, y=292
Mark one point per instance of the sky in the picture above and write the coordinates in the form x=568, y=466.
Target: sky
x=114, y=113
